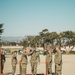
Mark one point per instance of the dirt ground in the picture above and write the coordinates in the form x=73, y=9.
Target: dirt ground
x=68, y=67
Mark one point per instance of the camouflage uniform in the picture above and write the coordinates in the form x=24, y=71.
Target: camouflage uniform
x=48, y=47
x=58, y=62
x=14, y=62
x=49, y=62
x=35, y=58
x=24, y=61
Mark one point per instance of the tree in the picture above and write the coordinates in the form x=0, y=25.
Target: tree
x=48, y=36
x=27, y=41
x=1, y=31
x=43, y=32
x=24, y=43
x=30, y=38
x=66, y=39
x=69, y=37
x=35, y=41
x=13, y=43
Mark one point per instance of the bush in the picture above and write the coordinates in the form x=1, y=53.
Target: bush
x=72, y=52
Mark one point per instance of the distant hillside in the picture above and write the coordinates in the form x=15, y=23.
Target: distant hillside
x=11, y=39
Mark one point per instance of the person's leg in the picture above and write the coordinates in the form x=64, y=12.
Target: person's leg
x=50, y=69
x=13, y=70
x=32, y=68
x=24, y=68
x=58, y=69
x=35, y=68
x=1, y=68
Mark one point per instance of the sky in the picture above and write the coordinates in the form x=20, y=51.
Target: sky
x=29, y=17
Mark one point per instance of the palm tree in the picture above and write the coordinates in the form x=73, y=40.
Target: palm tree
x=1, y=30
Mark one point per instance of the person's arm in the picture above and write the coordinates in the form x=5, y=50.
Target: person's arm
x=16, y=60
x=12, y=60
x=30, y=53
x=3, y=57
x=21, y=60
x=50, y=58
x=21, y=57
x=47, y=59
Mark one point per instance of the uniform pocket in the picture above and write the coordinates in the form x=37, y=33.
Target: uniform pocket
x=58, y=67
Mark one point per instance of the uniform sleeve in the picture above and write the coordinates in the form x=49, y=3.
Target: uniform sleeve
x=21, y=57
x=16, y=60
x=48, y=58
x=4, y=58
x=28, y=53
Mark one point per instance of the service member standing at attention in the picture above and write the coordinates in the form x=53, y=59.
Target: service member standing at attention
x=14, y=62
x=48, y=53
x=58, y=60
x=35, y=59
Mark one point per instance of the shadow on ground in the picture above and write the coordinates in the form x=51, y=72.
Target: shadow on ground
x=38, y=74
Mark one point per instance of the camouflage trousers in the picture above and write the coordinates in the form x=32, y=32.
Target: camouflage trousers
x=50, y=68
x=58, y=69
x=24, y=68
x=13, y=69
x=34, y=68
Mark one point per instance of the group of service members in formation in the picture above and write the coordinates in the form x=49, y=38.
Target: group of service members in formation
x=35, y=59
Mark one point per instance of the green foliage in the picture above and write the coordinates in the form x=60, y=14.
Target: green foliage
x=24, y=43
x=69, y=36
x=1, y=25
x=13, y=43
x=46, y=36
x=72, y=52
x=1, y=30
